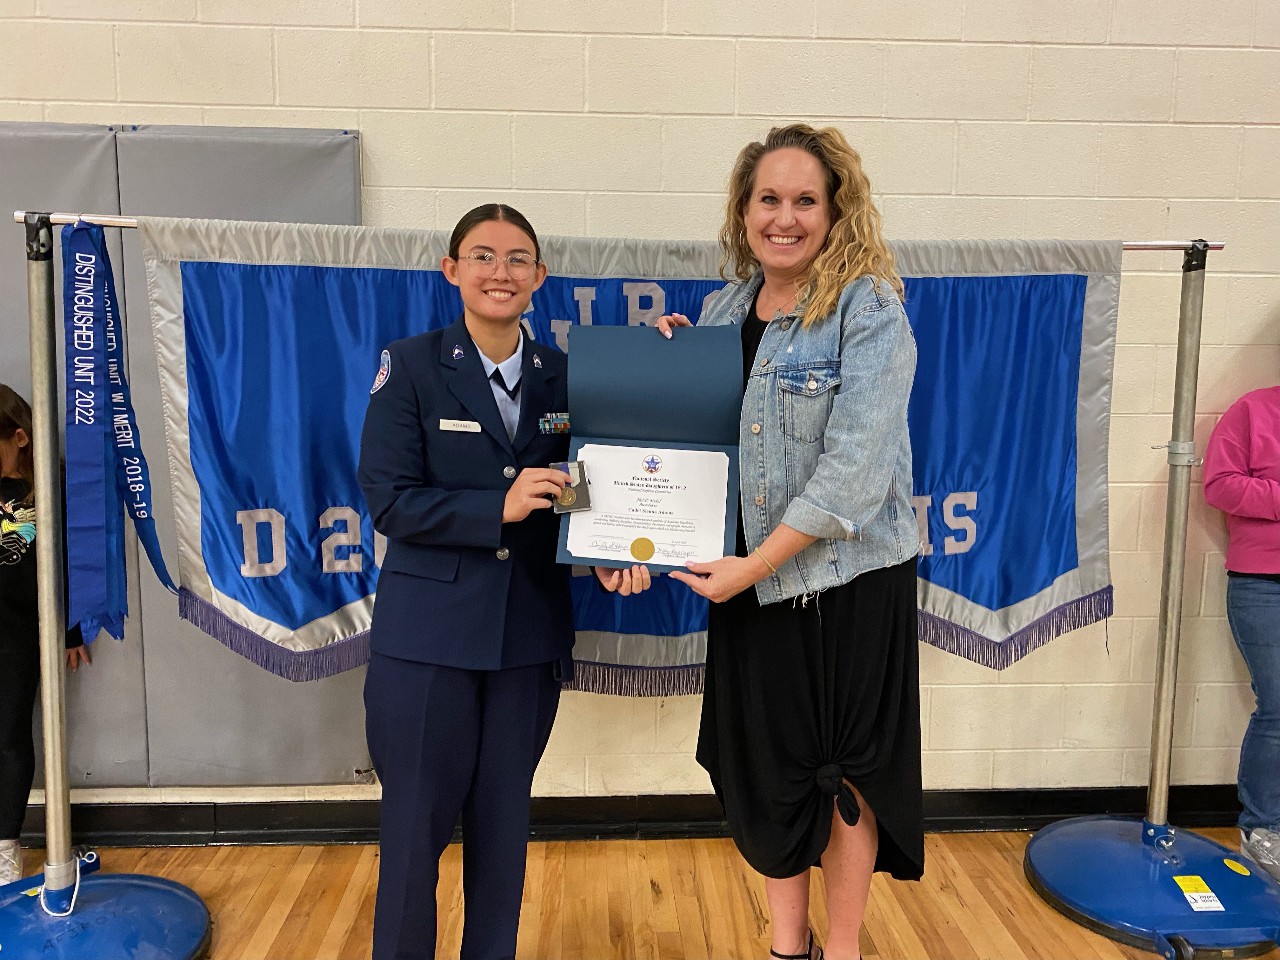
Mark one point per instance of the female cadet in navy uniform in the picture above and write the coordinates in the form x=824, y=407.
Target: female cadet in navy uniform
x=472, y=628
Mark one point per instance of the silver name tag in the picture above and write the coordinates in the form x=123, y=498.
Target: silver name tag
x=460, y=426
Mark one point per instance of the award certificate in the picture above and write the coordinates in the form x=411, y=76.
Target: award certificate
x=654, y=505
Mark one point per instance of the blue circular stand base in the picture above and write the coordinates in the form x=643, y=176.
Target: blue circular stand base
x=1134, y=882
x=117, y=916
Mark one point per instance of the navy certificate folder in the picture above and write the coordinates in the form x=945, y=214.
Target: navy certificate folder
x=632, y=387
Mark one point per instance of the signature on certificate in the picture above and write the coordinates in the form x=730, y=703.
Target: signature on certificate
x=613, y=545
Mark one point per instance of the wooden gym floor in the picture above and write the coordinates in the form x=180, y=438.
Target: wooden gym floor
x=628, y=899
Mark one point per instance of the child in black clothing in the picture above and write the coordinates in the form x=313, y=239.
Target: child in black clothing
x=19, y=626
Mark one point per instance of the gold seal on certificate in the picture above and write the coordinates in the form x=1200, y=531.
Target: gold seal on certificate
x=657, y=505
x=642, y=549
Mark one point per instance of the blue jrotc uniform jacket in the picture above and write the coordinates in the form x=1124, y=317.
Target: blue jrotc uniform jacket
x=458, y=587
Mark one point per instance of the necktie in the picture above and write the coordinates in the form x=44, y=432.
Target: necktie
x=512, y=392
x=510, y=416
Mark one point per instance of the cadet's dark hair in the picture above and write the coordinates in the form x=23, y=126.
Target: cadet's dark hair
x=485, y=213
x=15, y=415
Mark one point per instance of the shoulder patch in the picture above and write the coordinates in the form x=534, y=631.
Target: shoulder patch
x=384, y=372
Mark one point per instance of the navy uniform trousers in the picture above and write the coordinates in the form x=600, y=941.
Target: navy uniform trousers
x=471, y=630
x=444, y=740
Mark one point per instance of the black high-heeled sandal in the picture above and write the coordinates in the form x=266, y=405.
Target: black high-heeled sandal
x=807, y=955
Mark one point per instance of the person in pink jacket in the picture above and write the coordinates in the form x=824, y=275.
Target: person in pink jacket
x=1242, y=479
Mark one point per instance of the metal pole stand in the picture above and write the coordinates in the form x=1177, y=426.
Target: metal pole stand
x=1143, y=882
x=64, y=913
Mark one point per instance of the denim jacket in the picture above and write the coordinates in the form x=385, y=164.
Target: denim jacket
x=823, y=443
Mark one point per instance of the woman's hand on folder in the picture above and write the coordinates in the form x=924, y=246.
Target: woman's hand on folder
x=721, y=579
x=671, y=320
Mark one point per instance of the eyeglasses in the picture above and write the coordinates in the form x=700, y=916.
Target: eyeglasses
x=485, y=263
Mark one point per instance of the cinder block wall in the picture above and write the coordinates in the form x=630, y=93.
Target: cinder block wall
x=988, y=118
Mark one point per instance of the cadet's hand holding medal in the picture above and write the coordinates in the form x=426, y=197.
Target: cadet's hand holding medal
x=536, y=488
x=576, y=495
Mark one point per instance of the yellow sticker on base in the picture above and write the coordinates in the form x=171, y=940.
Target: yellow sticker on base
x=1237, y=866
x=1198, y=894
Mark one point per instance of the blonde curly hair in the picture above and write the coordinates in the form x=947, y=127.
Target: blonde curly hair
x=854, y=247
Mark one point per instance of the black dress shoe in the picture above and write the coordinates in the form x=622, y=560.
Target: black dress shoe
x=807, y=955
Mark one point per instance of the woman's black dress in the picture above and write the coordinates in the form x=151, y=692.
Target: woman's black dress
x=804, y=694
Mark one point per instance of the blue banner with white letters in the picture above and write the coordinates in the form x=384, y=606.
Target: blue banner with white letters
x=269, y=338
x=105, y=467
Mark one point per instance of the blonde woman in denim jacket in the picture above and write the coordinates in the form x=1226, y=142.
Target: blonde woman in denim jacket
x=811, y=718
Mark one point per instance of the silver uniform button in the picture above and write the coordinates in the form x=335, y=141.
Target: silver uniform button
x=503, y=553
x=508, y=472
x=813, y=385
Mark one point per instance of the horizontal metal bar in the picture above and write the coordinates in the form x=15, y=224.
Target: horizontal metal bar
x=103, y=219
x=111, y=220
x=1169, y=244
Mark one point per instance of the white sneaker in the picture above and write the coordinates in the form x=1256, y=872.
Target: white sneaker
x=1262, y=846
x=10, y=861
